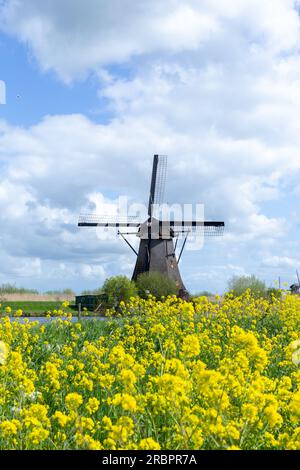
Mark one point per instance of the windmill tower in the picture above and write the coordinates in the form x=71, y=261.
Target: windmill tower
x=156, y=249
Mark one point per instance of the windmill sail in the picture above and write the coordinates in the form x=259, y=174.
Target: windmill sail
x=206, y=228
x=158, y=182
x=161, y=179
x=96, y=220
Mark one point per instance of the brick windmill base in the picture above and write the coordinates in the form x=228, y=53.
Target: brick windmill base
x=162, y=260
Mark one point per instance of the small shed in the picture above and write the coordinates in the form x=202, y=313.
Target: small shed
x=88, y=301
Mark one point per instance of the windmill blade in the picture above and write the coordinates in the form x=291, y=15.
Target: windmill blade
x=161, y=179
x=206, y=228
x=96, y=220
x=158, y=181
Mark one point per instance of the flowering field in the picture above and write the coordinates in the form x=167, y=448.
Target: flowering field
x=169, y=375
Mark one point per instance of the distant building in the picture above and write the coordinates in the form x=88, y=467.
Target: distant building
x=295, y=289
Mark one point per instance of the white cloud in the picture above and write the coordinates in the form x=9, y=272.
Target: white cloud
x=281, y=262
x=45, y=203
x=76, y=36
x=214, y=84
x=94, y=272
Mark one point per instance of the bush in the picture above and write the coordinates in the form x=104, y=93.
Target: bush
x=203, y=293
x=156, y=284
x=97, y=291
x=239, y=284
x=118, y=288
x=273, y=293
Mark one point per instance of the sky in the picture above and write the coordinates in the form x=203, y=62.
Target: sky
x=95, y=88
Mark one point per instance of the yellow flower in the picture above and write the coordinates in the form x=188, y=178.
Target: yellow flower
x=191, y=346
x=140, y=383
x=250, y=412
x=109, y=443
x=294, y=406
x=36, y=415
x=37, y=436
x=296, y=357
x=128, y=378
x=86, y=424
x=3, y=352
x=73, y=401
x=270, y=440
x=295, y=348
x=18, y=313
x=61, y=418
x=8, y=428
x=127, y=402
x=273, y=417
x=149, y=444
x=295, y=344
x=84, y=441
x=92, y=405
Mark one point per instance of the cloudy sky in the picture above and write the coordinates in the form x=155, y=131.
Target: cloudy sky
x=94, y=88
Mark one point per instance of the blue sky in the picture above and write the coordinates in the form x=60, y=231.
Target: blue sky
x=94, y=89
x=32, y=94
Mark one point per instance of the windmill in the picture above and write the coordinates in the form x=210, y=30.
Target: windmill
x=295, y=288
x=156, y=249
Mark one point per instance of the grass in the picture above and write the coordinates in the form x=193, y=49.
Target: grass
x=33, y=308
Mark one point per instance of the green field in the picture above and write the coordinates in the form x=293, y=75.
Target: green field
x=35, y=308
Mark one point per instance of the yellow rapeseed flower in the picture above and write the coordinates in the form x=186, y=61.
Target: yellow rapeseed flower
x=3, y=352
x=92, y=405
x=73, y=401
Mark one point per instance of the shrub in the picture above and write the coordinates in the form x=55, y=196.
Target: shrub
x=273, y=293
x=97, y=291
x=203, y=293
x=118, y=288
x=239, y=284
x=156, y=284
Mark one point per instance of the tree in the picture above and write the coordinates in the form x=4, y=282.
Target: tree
x=203, y=293
x=97, y=291
x=118, y=288
x=239, y=284
x=156, y=284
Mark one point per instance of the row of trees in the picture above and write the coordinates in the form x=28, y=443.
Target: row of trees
x=8, y=288
x=120, y=288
